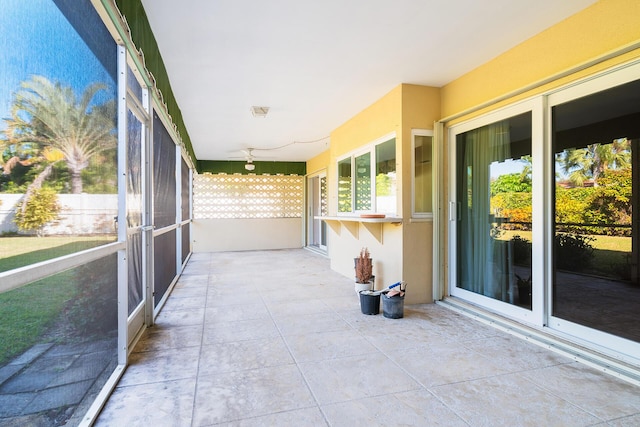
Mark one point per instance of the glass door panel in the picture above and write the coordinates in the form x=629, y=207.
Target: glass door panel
x=493, y=210
x=134, y=209
x=596, y=145
x=323, y=211
x=317, y=199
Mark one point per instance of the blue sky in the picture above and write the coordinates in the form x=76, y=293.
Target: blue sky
x=35, y=38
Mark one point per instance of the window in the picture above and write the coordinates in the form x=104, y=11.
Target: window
x=386, y=185
x=363, y=182
x=344, y=185
x=422, y=173
x=374, y=186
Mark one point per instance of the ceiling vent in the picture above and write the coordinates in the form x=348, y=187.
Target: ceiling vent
x=259, y=111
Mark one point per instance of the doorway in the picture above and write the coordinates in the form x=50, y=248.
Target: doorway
x=317, y=207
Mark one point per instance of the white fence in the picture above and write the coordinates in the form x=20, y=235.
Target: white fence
x=79, y=214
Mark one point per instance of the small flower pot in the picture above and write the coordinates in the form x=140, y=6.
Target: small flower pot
x=363, y=287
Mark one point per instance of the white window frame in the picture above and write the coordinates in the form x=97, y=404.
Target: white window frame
x=536, y=107
x=414, y=133
x=623, y=349
x=371, y=149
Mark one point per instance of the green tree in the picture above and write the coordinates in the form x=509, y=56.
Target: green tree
x=50, y=115
x=511, y=183
x=38, y=211
x=591, y=162
x=610, y=202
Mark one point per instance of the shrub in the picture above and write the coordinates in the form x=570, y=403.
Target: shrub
x=610, y=203
x=516, y=207
x=521, y=250
x=573, y=252
x=571, y=203
x=41, y=208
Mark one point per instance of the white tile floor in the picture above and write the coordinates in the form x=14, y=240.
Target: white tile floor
x=276, y=338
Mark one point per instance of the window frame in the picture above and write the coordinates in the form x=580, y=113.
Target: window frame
x=370, y=149
x=414, y=133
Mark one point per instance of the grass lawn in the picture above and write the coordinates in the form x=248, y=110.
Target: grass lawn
x=20, y=251
x=27, y=312
x=609, y=255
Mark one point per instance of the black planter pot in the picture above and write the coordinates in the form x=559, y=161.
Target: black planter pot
x=369, y=304
x=392, y=307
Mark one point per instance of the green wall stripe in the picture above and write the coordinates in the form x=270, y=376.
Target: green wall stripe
x=230, y=167
x=144, y=39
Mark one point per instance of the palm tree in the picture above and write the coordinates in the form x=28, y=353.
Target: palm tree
x=51, y=116
x=590, y=162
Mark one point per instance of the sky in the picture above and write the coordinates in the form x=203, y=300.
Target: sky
x=36, y=39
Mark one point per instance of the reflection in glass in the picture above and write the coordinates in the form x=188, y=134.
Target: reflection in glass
x=422, y=173
x=596, y=146
x=134, y=173
x=363, y=182
x=344, y=185
x=386, y=185
x=134, y=259
x=494, y=213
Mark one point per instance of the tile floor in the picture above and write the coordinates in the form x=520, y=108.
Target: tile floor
x=276, y=338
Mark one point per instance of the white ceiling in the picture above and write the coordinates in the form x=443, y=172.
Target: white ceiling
x=318, y=63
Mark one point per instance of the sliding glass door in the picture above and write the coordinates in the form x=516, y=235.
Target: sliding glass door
x=492, y=211
x=543, y=218
x=595, y=134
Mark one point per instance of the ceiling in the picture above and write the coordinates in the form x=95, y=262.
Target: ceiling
x=316, y=64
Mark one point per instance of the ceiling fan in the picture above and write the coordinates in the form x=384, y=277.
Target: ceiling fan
x=249, y=157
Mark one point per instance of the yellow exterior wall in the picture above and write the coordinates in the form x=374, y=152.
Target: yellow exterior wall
x=420, y=108
x=404, y=252
x=375, y=121
x=537, y=65
x=318, y=163
x=599, y=29
x=598, y=38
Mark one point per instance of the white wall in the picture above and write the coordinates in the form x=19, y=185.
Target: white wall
x=79, y=214
x=216, y=235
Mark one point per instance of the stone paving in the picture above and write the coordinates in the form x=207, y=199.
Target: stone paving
x=276, y=338
x=54, y=384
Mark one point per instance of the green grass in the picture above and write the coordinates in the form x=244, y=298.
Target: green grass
x=26, y=313
x=20, y=251
x=609, y=255
x=610, y=243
